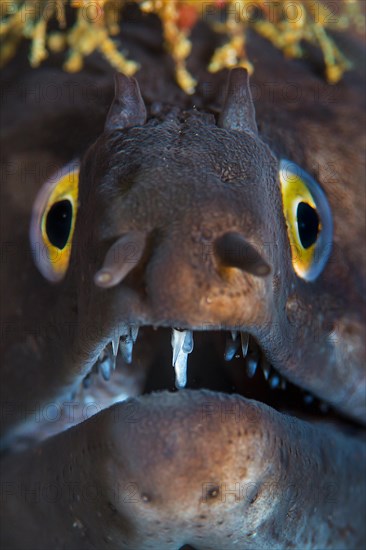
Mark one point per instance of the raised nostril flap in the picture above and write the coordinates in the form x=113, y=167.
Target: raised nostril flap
x=232, y=250
x=120, y=259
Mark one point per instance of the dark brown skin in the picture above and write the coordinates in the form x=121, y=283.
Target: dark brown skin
x=183, y=181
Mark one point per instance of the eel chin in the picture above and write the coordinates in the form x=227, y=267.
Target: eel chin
x=240, y=458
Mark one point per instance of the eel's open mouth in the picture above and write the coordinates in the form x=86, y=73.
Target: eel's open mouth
x=139, y=363
x=229, y=362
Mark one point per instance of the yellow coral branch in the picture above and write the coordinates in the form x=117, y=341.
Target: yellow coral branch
x=286, y=23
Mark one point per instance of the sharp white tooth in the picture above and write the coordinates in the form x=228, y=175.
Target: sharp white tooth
x=106, y=356
x=134, y=332
x=181, y=370
x=266, y=368
x=182, y=344
x=244, y=336
x=115, y=344
x=177, y=341
x=105, y=368
x=234, y=334
x=126, y=348
x=252, y=364
x=231, y=348
x=274, y=381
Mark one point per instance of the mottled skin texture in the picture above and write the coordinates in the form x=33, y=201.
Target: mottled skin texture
x=184, y=181
x=237, y=481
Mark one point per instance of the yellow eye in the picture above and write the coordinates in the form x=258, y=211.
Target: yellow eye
x=308, y=219
x=53, y=222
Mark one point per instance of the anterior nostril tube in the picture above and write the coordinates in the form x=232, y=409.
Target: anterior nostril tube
x=232, y=250
x=120, y=259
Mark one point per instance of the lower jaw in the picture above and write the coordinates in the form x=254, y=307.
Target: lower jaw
x=205, y=469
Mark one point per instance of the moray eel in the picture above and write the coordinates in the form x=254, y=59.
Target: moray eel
x=229, y=224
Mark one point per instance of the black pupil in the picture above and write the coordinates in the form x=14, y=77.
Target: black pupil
x=58, y=223
x=308, y=224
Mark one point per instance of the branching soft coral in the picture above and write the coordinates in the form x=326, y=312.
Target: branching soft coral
x=286, y=23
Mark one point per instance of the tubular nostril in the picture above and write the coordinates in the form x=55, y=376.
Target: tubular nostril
x=120, y=259
x=232, y=250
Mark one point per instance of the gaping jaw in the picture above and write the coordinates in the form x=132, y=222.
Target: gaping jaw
x=226, y=361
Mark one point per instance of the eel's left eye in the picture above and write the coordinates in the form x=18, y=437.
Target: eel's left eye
x=53, y=222
x=308, y=219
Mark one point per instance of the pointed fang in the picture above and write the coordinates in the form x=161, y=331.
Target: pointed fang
x=244, y=336
x=252, y=364
x=126, y=348
x=134, y=331
x=115, y=344
x=182, y=344
x=177, y=341
x=105, y=368
x=274, y=381
x=266, y=368
x=231, y=348
x=181, y=371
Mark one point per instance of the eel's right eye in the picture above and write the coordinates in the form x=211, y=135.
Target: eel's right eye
x=53, y=223
x=308, y=219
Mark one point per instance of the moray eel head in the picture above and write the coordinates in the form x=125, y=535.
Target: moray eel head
x=185, y=232
x=181, y=224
